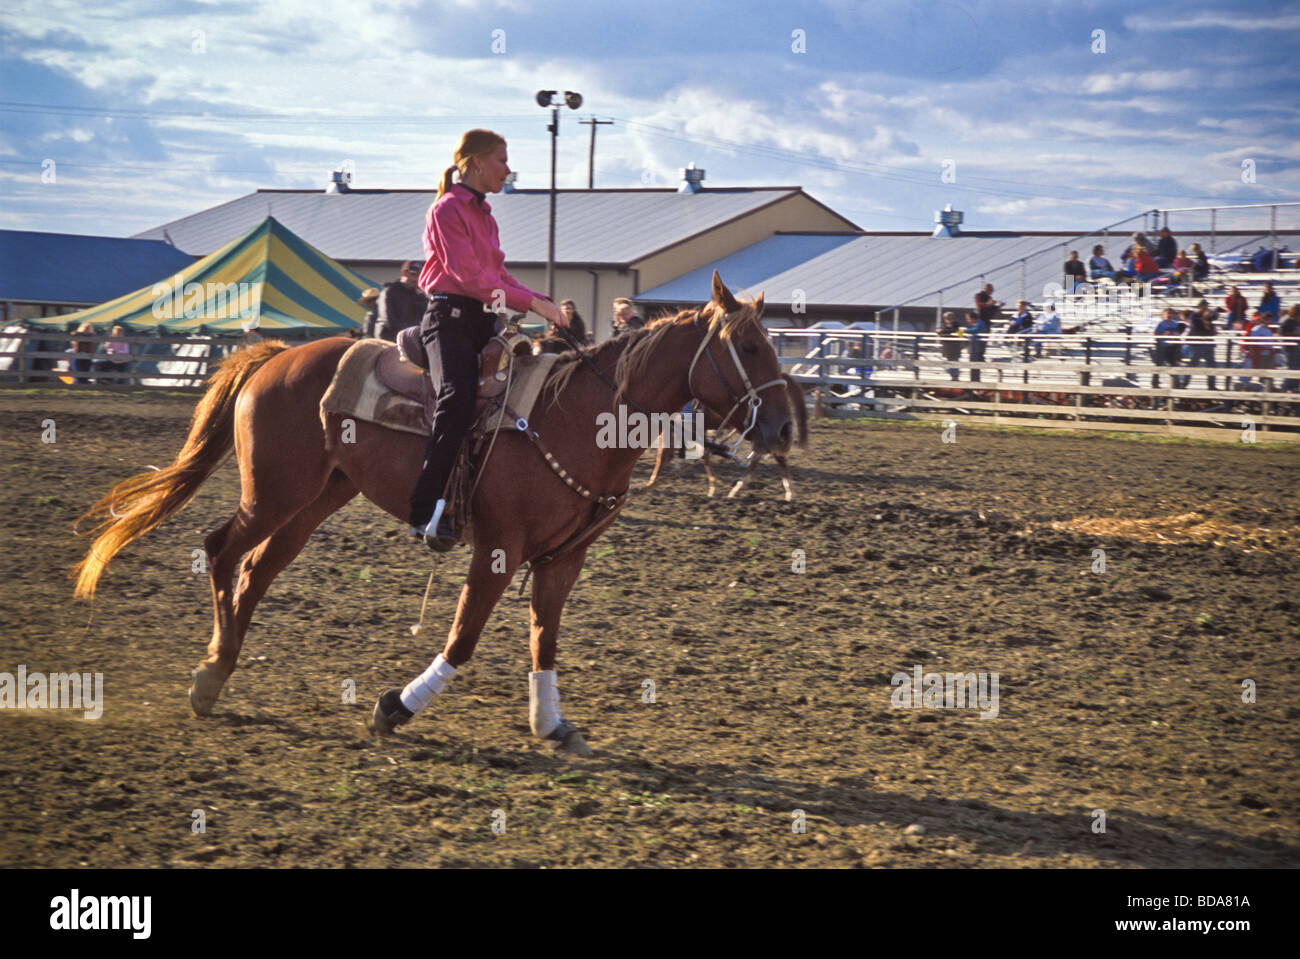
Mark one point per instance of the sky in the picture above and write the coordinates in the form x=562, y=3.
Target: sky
x=116, y=117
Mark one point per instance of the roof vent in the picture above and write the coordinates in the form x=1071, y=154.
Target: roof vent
x=509, y=185
x=691, y=179
x=340, y=182
x=949, y=221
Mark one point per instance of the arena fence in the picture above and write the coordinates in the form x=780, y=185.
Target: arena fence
x=1107, y=382
x=1103, y=382
x=33, y=358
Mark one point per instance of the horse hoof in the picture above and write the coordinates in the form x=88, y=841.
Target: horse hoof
x=206, y=690
x=566, y=739
x=389, y=713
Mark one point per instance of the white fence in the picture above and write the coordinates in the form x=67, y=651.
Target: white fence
x=1108, y=381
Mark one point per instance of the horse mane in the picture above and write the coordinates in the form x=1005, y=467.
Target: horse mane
x=632, y=351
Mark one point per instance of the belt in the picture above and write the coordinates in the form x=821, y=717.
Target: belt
x=457, y=300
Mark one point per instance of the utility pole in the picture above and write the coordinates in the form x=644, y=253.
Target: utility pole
x=591, y=152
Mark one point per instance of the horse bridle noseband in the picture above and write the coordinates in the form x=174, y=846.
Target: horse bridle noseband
x=750, y=396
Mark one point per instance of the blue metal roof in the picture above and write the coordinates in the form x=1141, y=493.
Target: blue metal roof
x=68, y=268
x=748, y=267
x=876, y=271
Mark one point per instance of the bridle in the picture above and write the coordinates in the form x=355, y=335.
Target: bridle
x=750, y=397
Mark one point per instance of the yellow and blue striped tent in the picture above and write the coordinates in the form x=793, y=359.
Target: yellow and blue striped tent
x=268, y=275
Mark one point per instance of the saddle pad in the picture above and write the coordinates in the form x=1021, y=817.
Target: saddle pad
x=356, y=391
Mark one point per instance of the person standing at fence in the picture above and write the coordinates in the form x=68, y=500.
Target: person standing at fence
x=950, y=342
x=370, y=303
x=1167, y=346
x=1200, y=343
x=1262, y=347
x=401, y=303
x=82, y=351
x=977, y=327
x=577, y=326
x=1290, y=328
x=625, y=318
x=118, y=356
x=1049, y=324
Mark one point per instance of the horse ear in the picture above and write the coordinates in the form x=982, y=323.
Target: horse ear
x=758, y=306
x=722, y=296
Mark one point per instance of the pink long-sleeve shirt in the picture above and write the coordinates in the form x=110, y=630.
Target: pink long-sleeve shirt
x=463, y=252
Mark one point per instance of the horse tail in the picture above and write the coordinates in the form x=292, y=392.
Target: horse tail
x=795, y=391
x=135, y=506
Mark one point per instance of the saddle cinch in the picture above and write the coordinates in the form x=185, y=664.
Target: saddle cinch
x=388, y=384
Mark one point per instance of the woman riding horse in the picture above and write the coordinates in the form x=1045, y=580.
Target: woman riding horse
x=465, y=272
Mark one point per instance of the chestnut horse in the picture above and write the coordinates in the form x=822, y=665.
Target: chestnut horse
x=794, y=396
x=265, y=402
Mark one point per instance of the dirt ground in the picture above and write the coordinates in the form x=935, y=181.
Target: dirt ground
x=1120, y=691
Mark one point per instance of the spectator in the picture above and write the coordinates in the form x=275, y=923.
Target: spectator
x=1023, y=321
x=117, y=355
x=1139, y=240
x=987, y=307
x=1182, y=267
x=1099, y=266
x=1167, y=346
x=1262, y=347
x=1290, y=327
x=1200, y=262
x=1049, y=324
x=401, y=303
x=1200, y=342
x=370, y=303
x=1144, y=265
x=1074, y=272
x=625, y=318
x=1269, y=302
x=1166, y=249
x=977, y=327
x=1237, y=306
x=576, y=325
x=950, y=344
x=82, y=351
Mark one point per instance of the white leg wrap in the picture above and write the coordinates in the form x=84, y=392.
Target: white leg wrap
x=543, y=703
x=420, y=691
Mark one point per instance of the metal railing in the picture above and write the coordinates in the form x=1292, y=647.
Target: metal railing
x=1061, y=376
x=37, y=357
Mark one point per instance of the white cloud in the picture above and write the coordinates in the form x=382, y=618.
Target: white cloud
x=1212, y=21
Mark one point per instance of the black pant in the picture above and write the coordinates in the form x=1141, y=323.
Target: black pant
x=455, y=330
x=977, y=348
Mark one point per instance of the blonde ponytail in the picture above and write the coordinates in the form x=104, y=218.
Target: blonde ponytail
x=445, y=183
x=474, y=143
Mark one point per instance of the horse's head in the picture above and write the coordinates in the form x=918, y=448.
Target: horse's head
x=735, y=373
